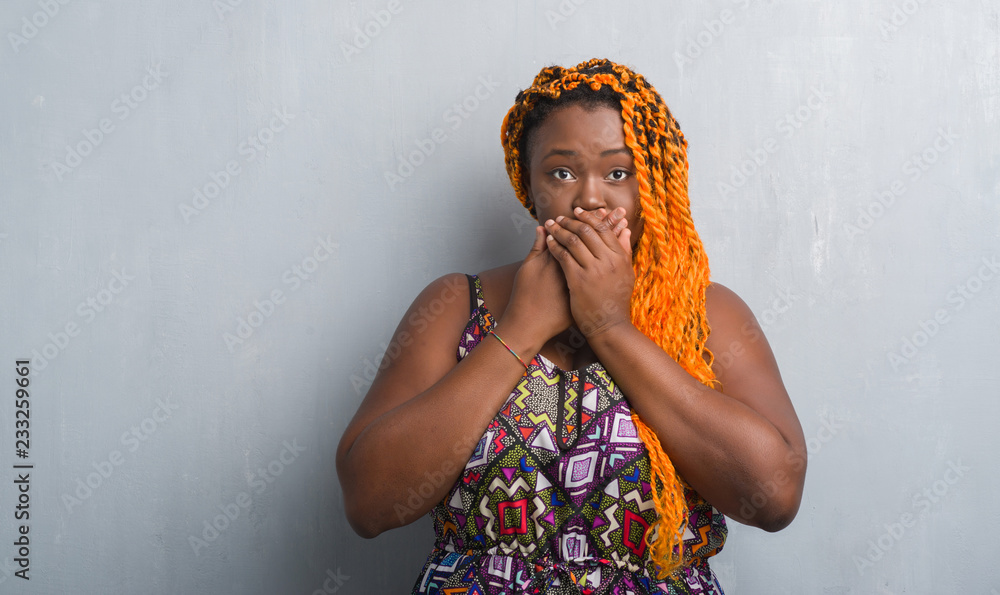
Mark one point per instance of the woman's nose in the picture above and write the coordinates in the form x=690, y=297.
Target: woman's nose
x=589, y=196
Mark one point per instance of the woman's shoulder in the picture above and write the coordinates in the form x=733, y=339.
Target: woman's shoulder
x=723, y=302
x=450, y=297
x=725, y=305
x=452, y=288
x=446, y=289
x=730, y=320
x=735, y=337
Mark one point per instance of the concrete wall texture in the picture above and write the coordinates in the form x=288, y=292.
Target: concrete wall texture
x=214, y=213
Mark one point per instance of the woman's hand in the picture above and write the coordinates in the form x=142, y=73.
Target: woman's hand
x=595, y=256
x=539, y=299
x=540, y=302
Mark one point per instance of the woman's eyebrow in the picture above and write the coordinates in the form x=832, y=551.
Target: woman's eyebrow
x=563, y=152
x=570, y=153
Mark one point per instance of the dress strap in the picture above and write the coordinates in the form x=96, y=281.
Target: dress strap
x=476, y=299
x=480, y=319
x=473, y=298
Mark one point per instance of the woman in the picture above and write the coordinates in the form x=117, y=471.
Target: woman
x=593, y=443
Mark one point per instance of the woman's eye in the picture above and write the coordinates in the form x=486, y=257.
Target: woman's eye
x=561, y=174
x=619, y=175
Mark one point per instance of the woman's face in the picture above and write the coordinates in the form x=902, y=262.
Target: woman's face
x=578, y=158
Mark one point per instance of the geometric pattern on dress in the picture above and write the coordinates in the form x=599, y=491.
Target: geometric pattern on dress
x=526, y=516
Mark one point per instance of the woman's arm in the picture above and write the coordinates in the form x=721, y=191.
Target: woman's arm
x=424, y=414
x=730, y=445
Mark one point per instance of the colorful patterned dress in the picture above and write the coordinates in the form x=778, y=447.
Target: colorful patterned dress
x=556, y=496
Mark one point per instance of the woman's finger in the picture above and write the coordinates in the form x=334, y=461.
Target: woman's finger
x=596, y=234
x=617, y=223
x=573, y=237
x=538, y=246
x=606, y=227
x=625, y=240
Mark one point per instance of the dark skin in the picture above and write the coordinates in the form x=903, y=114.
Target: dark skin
x=569, y=301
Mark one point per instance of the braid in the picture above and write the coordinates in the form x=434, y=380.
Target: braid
x=670, y=264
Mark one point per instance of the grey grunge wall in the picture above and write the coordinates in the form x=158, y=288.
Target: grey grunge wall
x=213, y=214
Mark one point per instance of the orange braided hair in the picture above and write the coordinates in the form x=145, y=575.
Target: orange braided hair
x=670, y=264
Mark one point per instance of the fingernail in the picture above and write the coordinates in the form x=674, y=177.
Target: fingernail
x=559, y=218
x=578, y=210
x=549, y=223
